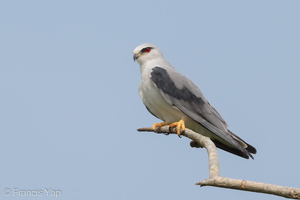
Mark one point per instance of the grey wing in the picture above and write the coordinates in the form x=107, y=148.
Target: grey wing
x=185, y=95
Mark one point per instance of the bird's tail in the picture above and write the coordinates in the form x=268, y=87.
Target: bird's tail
x=244, y=144
x=245, y=151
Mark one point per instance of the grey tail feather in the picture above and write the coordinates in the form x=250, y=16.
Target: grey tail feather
x=244, y=154
x=249, y=147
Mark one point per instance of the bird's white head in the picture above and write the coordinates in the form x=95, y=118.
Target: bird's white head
x=146, y=52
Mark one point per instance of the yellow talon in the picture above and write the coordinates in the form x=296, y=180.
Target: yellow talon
x=160, y=125
x=180, y=126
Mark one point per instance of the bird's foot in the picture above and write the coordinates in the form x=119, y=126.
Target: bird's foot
x=180, y=127
x=158, y=125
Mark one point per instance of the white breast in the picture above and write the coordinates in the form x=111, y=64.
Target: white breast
x=161, y=108
x=155, y=102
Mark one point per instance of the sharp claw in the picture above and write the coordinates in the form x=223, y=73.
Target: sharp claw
x=180, y=127
x=158, y=125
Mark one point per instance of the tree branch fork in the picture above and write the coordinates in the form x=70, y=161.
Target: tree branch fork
x=215, y=179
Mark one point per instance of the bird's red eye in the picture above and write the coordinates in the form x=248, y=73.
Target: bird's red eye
x=146, y=50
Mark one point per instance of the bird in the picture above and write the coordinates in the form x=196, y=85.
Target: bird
x=178, y=102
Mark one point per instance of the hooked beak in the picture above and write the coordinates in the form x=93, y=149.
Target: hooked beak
x=135, y=56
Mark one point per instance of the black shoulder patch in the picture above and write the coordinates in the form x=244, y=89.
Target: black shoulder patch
x=163, y=82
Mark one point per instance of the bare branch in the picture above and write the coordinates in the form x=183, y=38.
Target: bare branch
x=213, y=159
x=292, y=193
x=214, y=169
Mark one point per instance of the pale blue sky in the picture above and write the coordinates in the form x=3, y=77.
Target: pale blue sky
x=69, y=106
